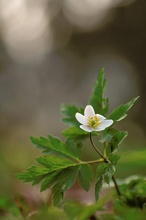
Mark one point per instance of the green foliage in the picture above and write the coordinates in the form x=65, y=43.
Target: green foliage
x=126, y=213
x=69, y=112
x=62, y=181
x=114, y=138
x=119, y=113
x=54, y=163
x=85, y=176
x=114, y=158
x=75, y=134
x=56, y=171
x=123, y=212
x=34, y=173
x=53, y=145
x=99, y=103
x=104, y=172
x=62, y=164
x=134, y=193
x=75, y=147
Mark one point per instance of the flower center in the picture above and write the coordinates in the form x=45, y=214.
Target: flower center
x=93, y=122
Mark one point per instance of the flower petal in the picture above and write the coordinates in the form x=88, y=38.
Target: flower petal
x=81, y=118
x=99, y=128
x=104, y=125
x=89, y=111
x=86, y=128
x=101, y=117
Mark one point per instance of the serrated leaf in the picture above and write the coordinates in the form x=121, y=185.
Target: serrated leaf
x=110, y=170
x=114, y=158
x=57, y=194
x=119, y=113
x=108, y=134
x=98, y=186
x=54, y=163
x=103, y=173
x=85, y=176
x=75, y=134
x=99, y=103
x=53, y=145
x=26, y=176
x=62, y=181
x=101, y=169
x=33, y=173
x=69, y=112
x=116, y=140
x=38, y=179
x=76, y=148
x=48, y=181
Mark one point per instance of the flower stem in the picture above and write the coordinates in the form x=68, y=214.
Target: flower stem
x=116, y=186
x=106, y=161
x=96, y=148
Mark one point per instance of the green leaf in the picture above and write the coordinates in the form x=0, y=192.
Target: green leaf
x=48, y=181
x=108, y=134
x=114, y=158
x=99, y=103
x=101, y=169
x=54, y=163
x=119, y=113
x=98, y=186
x=104, y=173
x=69, y=112
x=38, y=179
x=76, y=148
x=33, y=173
x=75, y=134
x=85, y=176
x=53, y=145
x=110, y=170
x=116, y=140
x=62, y=181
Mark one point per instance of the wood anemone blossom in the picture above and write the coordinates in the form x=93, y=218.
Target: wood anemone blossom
x=91, y=121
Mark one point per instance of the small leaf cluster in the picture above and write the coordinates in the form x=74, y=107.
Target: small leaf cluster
x=61, y=164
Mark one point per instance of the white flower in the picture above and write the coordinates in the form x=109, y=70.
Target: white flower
x=91, y=121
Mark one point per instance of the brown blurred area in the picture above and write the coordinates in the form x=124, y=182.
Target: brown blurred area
x=50, y=53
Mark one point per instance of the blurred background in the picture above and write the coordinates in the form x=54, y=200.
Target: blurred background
x=50, y=53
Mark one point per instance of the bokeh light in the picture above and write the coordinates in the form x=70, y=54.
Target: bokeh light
x=26, y=30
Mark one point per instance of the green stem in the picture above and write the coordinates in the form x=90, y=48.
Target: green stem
x=104, y=152
x=116, y=186
x=106, y=161
x=96, y=148
x=92, y=162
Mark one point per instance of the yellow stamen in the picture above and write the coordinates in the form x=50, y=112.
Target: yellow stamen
x=93, y=122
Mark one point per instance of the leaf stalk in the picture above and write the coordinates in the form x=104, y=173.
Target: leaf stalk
x=105, y=159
